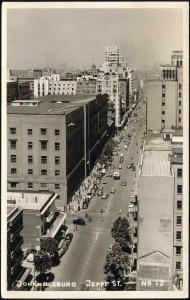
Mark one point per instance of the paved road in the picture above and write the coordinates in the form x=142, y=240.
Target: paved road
x=85, y=258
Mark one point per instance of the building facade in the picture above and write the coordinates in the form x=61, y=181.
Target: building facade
x=53, y=144
x=165, y=96
x=12, y=91
x=14, y=244
x=40, y=216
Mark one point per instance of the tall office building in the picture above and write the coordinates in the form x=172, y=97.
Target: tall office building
x=160, y=214
x=54, y=141
x=165, y=96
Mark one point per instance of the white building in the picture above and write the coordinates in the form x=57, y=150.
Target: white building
x=63, y=87
x=41, y=87
x=112, y=54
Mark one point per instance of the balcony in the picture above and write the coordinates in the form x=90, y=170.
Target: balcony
x=59, y=221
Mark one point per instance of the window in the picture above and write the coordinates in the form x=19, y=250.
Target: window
x=163, y=95
x=30, y=146
x=57, y=172
x=43, y=159
x=57, y=146
x=57, y=186
x=13, y=158
x=179, y=189
x=43, y=145
x=163, y=86
x=13, y=170
x=163, y=121
x=12, y=130
x=179, y=120
x=163, y=112
x=178, y=265
x=30, y=159
x=179, y=103
x=43, y=131
x=29, y=131
x=179, y=220
x=30, y=171
x=43, y=172
x=180, y=86
x=180, y=95
x=57, y=160
x=179, y=172
x=178, y=235
x=13, y=144
x=179, y=204
x=179, y=111
x=178, y=250
x=30, y=185
x=43, y=185
x=57, y=132
x=13, y=184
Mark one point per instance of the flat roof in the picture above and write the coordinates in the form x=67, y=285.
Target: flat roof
x=31, y=200
x=156, y=163
x=53, y=104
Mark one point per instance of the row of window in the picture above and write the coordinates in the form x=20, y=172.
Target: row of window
x=43, y=131
x=164, y=103
x=43, y=159
x=30, y=172
x=30, y=145
x=30, y=185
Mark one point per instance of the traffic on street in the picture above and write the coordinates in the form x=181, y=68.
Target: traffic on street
x=83, y=263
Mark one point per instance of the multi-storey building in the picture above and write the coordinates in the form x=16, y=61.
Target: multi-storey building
x=177, y=58
x=112, y=55
x=24, y=92
x=86, y=87
x=12, y=91
x=54, y=142
x=40, y=216
x=14, y=246
x=176, y=160
x=160, y=217
x=165, y=97
x=62, y=87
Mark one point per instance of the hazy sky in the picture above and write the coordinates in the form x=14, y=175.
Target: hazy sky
x=55, y=37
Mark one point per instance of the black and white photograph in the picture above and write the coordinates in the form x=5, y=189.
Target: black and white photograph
x=95, y=139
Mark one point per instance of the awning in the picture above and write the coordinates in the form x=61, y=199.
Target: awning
x=56, y=225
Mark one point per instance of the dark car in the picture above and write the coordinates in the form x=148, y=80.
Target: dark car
x=79, y=221
x=69, y=236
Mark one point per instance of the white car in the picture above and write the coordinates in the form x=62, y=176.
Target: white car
x=30, y=257
x=125, y=146
x=116, y=175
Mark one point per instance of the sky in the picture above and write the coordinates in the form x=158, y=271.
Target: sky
x=63, y=38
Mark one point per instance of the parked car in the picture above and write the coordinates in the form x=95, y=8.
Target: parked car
x=123, y=183
x=89, y=196
x=104, y=181
x=104, y=196
x=125, y=146
x=69, y=236
x=133, y=168
x=79, y=221
x=99, y=193
x=113, y=190
x=120, y=166
x=130, y=207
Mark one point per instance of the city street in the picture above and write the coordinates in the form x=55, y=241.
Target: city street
x=85, y=258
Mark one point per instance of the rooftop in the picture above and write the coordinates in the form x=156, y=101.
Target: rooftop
x=30, y=200
x=156, y=163
x=52, y=104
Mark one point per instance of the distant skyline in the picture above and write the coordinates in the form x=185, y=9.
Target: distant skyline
x=72, y=38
